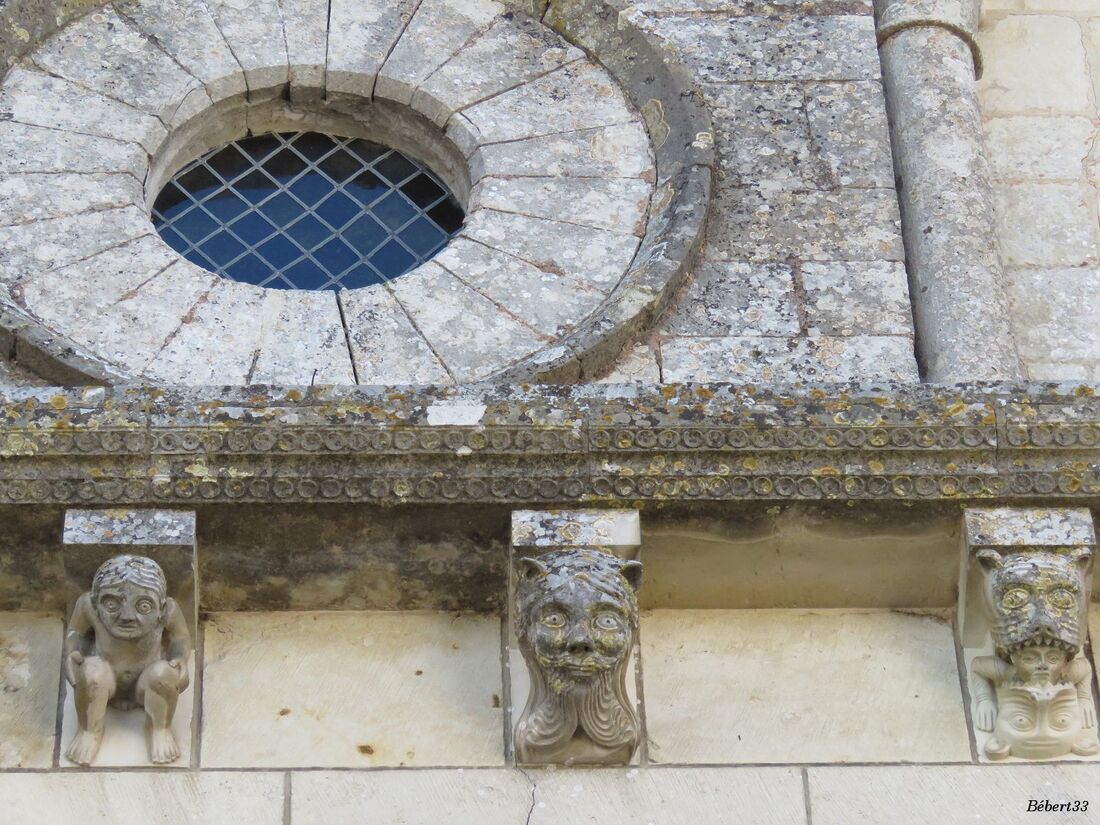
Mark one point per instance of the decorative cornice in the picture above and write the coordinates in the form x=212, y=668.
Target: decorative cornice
x=548, y=445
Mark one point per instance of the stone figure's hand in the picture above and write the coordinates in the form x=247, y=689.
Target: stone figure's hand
x=1088, y=713
x=180, y=666
x=75, y=659
x=985, y=715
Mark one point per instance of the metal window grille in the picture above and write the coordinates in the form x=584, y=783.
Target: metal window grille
x=306, y=211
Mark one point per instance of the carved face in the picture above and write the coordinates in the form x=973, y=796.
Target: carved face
x=577, y=615
x=128, y=610
x=1040, y=663
x=1035, y=599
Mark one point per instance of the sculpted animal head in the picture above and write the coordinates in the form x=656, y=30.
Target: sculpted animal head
x=1036, y=598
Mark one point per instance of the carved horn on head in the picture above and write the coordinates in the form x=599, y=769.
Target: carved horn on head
x=632, y=572
x=989, y=559
x=528, y=567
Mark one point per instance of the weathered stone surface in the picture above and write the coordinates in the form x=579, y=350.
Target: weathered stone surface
x=616, y=204
x=1038, y=149
x=385, y=345
x=952, y=795
x=736, y=299
x=306, y=25
x=547, y=529
x=551, y=303
x=1028, y=527
x=304, y=340
x=37, y=149
x=1055, y=317
x=841, y=225
x=186, y=31
x=365, y=689
x=751, y=7
x=38, y=99
x=594, y=257
x=132, y=527
x=254, y=32
x=1047, y=224
x=1034, y=62
x=909, y=658
x=741, y=359
x=30, y=655
x=136, y=798
x=838, y=47
x=512, y=51
x=608, y=151
x=438, y=29
x=849, y=133
x=107, y=55
x=636, y=363
x=471, y=334
x=35, y=197
x=865, y=298
x=360, y=36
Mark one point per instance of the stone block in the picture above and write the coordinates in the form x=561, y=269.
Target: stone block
x=36, y=149
x=1055, y=315
x=849, y=133
x=615, y=204
x=40, y=197
x=30, y=660
x=352, y=690
x=304, y=340
x=1006, y=527
x=1038, y=149
x=1047, y=224
x=947, y=794
x=865, y=298
x=637, y=363
x=539, y=530
x=307, y=34
x=783, y=360
x=735, y=299
x=252, y=31
x=621, y=150
x=1033, y=63
x=117, y=798
x=803, y=686
x=360, y=36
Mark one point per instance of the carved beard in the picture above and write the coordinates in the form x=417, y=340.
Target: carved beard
x=601, y=709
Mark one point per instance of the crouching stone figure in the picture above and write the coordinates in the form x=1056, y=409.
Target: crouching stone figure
x=127, y=646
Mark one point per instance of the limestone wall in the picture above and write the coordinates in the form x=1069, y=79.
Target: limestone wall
x=1040, y=96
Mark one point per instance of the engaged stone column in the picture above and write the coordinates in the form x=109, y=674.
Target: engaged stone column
x=128, y=644
x=1023, y=613
x=929, y=63
x=574, y=588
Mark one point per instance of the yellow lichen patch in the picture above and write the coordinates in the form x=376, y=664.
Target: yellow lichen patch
x=876, y=466
x=294, y=395
x=749, y=463
x=59, y=402
x=826, y=471
x=1084, y=391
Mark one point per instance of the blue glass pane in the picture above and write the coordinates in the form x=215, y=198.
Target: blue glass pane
x=306, y=211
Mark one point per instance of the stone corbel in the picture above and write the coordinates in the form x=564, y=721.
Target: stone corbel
x=574, y=585
x=1023, y=615
x=131, y=577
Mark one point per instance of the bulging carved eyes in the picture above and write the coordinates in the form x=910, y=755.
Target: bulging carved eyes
x=607, y=621
x=1062, y=598
x=145, y=606
x=553, y=620
x=1019, y=721
x=110, y=604
x=1017, y=597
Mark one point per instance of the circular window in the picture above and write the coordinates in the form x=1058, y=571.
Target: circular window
x=307, y=211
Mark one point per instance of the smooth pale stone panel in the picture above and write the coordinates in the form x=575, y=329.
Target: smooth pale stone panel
x=473, y=336
x=1047, y=224
x=361, y=34
x=438, y=29
x=1055, y=317
x=492, y=797
x=594, y=257
x=125, y=732
x=615, y=204
x=104, y=53
x=577, y=96
x=304, y=340
x=218, y=339
x=30, y=661
x=512, y=51
x=385, y=346
x=1047, y=149
x=186, y=31
x=38, y=99
x=352, y=690
x=619, y=151
x=143, y=798
x=948, y=795
x=670, y=796
x=801, y=686
x=551, y=303
x=306, y=25
x=35, y=247
x=35, y=197
x=253, y=30
x=26, y=148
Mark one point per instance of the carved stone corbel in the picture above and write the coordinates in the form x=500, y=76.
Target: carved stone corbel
x=576, y=625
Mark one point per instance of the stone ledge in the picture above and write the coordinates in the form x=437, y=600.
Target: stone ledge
x=545, y=444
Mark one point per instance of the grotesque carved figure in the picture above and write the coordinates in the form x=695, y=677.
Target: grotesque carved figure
x=577, y=619
x=127, y=645
x=1035, y=693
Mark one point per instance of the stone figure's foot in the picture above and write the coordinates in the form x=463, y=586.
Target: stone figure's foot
x=1086, y=746
x=994, y=749
x=84, y=747
x=163, y=748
